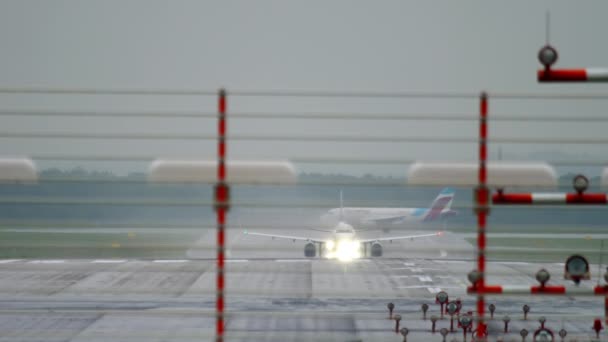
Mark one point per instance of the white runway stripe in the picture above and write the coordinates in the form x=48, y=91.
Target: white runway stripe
x=8, y=261
x=426, y=287
x=108, y=261
x=292, y=260
x=170, y=261
x=236, y=260
x=425, y=279
x=47, y=262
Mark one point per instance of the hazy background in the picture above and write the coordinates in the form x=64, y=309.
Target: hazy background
x=464, y=46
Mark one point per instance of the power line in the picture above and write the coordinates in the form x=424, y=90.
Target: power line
x=293, y=137
x=309, y=115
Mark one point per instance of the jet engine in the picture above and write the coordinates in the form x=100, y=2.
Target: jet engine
x=310, y=250
x=376, y=249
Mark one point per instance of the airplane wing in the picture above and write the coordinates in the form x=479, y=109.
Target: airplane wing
x=284, y=237
x=391, y=238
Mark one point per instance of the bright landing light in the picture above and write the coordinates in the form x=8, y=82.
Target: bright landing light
x=345, y=250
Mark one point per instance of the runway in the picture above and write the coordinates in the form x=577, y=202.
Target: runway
x=285, y=298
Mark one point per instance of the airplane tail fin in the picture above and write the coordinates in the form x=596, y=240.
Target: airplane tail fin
x=441, y=205
x=341, y=207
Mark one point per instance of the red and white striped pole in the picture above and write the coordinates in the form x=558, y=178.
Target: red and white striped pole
x=482, y=211
x=552, y=290
x=573, y=75
x=549, y=198
x=548, y=55
x=222, y=203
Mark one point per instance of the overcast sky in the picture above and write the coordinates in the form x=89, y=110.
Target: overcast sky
x=461, y=46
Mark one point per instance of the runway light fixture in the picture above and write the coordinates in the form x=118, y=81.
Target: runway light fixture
x=397, y=320
x=441, y=298
x=465, y=322
x=506, y=319
x=390, y=307
x=543, y=276
x=492, y=308
x=452, y=308
x=404, y=331
x=444, y=333
x=547, y=56
x=577, y=269
x=425, y=308
x=523, y=333
x=433, y=322
x=526, y=310
x=474, y=276
x=543, y=335
x=563, y=333
x=580, y=183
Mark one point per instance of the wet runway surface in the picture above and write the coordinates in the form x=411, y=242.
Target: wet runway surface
x=270, y=299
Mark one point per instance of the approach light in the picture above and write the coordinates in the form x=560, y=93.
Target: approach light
x=577, y=269
x=474, y=276
x=543, y=276
x=441, y=297
x=547, y=56
x=580, y=183
x=330, y=245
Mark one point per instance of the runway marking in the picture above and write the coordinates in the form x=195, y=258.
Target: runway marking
x=425, y=279
x=443, y=253
x=292, y=260
x=409, y=264
x=514, y=262
x=171, y=261
x=8, y=261
x=413, y=287
x=434, y=289
x=47, y=261
x=453, y=261
x=108, y=261
x=236, y=260
x=431, y=289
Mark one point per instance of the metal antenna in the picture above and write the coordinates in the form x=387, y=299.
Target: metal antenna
x=547, y=26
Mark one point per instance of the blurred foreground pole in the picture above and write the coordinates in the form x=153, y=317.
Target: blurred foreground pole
x=482, y=210
x=222, y=200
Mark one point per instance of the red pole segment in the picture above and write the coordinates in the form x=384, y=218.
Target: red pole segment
x=482, y=210
x=573, y=75
x=222, y=200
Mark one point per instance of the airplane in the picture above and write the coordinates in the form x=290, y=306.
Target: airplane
x=384, y=218
x=343, y=244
